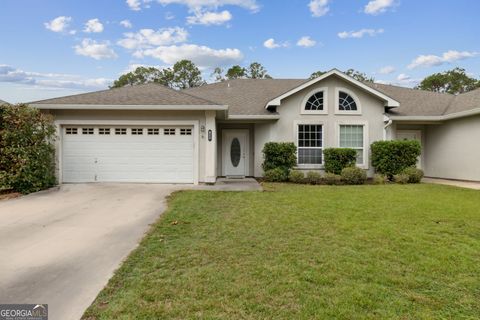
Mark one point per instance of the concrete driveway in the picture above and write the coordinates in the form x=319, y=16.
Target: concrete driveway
x=60, y=247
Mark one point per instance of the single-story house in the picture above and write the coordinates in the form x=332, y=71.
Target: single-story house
x=150, y=133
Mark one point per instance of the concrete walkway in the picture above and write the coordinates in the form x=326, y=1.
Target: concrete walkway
x=455, y=183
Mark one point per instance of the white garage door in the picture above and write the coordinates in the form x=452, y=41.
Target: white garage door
x=128, y=154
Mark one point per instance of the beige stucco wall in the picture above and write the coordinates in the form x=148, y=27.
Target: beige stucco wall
x=129, y=116
x=290, y=116
x=452, y=149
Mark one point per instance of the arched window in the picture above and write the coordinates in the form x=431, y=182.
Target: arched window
x=346, y=102
x=315, y=102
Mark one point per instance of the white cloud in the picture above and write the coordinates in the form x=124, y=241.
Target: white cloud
x=147, y=38
x=360, y=33
x=212, y=4
x=134, y=5
x=50, y=80
x=319, y=8
x=202, y=56
x=387, y=70
x=375, y=7
x=210, y=18
x=96, y=50
x=306, y=42
x=126, y=24
x=271, y=44
x=59, y=24
x=93, y=26
x=447, y=57
x=403, y=77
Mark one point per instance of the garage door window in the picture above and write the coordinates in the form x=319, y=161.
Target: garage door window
x=169, y=131
x=137, y=131
x=185, y=132
x=121, y=131
x=88, y=130
x=153, y=131
x=71, y=130
x=104, y=131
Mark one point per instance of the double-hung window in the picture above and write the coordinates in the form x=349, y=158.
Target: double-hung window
x=310, y=144
x=352, y=136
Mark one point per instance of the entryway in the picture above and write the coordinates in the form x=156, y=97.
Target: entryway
x=412, y=135
x=235, y=152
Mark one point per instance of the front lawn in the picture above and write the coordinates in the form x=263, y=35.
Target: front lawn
x=305, y=252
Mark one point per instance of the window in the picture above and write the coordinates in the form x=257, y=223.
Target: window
x=315, y=102
x=310, y=143
x=185, y=132
x=137, y=131
x=169, y=131
x=351, y=136
x=88, y=131
x=346, y=102
x=104, y=131
x=71, y=130
x=153, y=131
x=121, y=131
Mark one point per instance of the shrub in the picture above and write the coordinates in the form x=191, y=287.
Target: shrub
x=314, y=177
x=401, y=178
x=275, y=175
x=332, y=178
x=337, y=159
x=392, y=157
x=379, y=179
x=296, y=176
x=414, y=175
x=279, y=155
x=354, y=175
x=27, y=161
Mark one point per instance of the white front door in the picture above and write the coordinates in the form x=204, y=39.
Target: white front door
x=412, y=135
x=235, y=152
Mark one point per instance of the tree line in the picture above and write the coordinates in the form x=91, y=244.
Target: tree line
x=185, y=74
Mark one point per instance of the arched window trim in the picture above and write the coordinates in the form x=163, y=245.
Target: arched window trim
x=307, y=97
x=351, y=94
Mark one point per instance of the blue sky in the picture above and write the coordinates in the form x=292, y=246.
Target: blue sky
x=60, y=47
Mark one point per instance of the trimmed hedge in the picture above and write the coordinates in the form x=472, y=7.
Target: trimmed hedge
x=275, y=175
x=27, y=161
x=414, y=175
x=296, y=176
x=281, y=155
x=314, y=177
x=390, y=158
x=337, y=159
x=354, y=175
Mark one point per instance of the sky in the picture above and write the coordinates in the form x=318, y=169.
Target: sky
x=51, y=48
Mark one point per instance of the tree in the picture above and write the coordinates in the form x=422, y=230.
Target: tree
x=257, y=71
x=184, y=74
x=217, y=74
x=316, y=74
x=236, y=72
x=360, y=76
x=454, y=81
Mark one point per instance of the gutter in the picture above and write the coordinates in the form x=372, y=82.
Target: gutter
x=445, y=117
x=128, y=107
x=388, y=124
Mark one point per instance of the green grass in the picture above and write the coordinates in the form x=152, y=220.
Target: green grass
x=305, y=252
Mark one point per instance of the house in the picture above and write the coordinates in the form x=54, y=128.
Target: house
x=3, y=102
x=149, y=133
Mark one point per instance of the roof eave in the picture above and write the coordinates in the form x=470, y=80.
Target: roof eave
x=389, y=102
x=128, y=107
x=445, y=117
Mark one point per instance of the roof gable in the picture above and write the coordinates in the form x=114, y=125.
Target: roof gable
x=389, y=102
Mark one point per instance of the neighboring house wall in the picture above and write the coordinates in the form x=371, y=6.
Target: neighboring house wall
x=290, y=110
x=452, y=149
x=98, y=116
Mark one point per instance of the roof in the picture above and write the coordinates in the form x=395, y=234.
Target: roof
x=151, y=94
x=246, y=96
x=465, y=102
x=3, y=102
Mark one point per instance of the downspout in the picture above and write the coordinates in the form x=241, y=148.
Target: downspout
x=389, y=123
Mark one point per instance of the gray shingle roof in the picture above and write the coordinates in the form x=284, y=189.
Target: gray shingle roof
x=246, y=96
x=3, y=102
x=146, y=94
x=464, y=102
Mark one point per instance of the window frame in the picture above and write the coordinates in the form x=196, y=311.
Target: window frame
x=354, y=97
x=296, y=132
x=309, y=95
x=366, y=142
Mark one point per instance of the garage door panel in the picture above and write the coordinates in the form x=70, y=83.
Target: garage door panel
x=128, y=158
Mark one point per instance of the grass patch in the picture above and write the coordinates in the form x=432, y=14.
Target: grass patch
x=304, y=252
